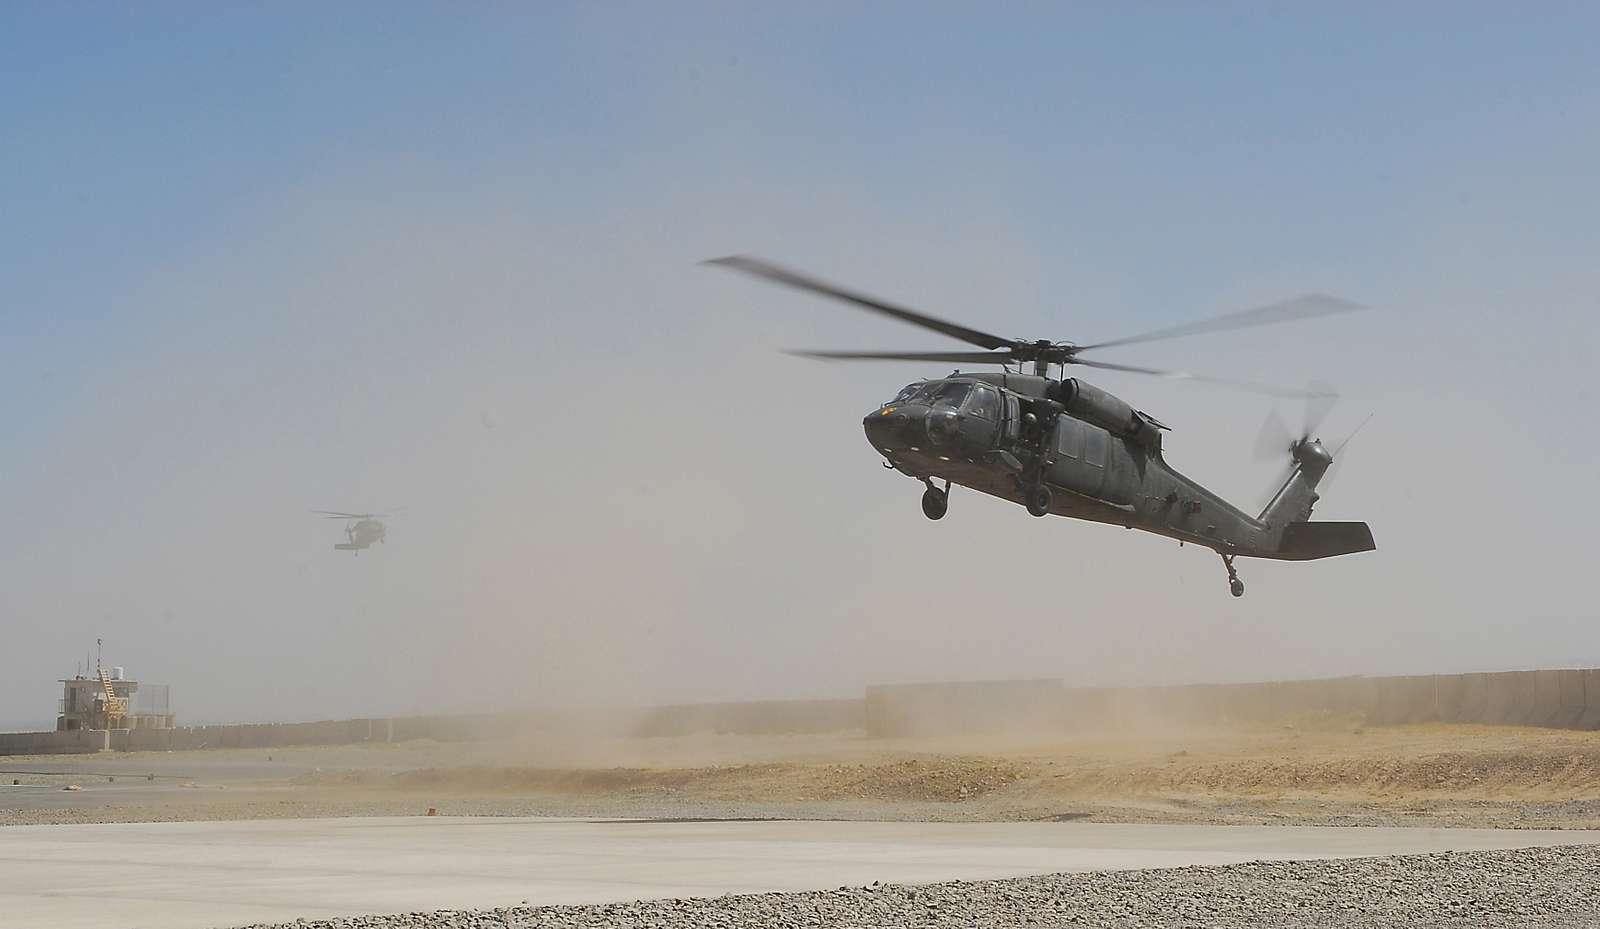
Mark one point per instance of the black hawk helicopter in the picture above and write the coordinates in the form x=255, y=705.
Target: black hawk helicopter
x=1066, y=447
x=361, y=530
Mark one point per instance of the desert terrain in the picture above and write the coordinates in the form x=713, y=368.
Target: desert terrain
x=1312, y=772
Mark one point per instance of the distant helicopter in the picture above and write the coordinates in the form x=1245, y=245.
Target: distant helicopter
x=361, y=530
x=1066, y=447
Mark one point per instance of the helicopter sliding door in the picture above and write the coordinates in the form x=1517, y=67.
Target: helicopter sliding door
x=1080, y=456
x=1093, y=462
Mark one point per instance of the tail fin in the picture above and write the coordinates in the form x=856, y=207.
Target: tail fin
x=1294, y=500
x=1289, y=513
x=1310, y=541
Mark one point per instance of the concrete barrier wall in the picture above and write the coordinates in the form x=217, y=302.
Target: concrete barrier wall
x=1548, y=699
x=1463, y=698
x=1404, y=700
x=765, y=717
x=1591, y=700
x=1526, y=697
x=1554, y=698
x=77, y=741
x=1546, y=709
x=978, y=706
x=1500, y=699
x=1569, y=687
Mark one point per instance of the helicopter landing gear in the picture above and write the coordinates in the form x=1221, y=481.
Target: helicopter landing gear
x=1235, y=586
x=935, y=502
x=1038, y=500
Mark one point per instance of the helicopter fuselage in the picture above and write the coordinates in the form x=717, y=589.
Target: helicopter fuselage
x=362, y=534
x=1097, y=458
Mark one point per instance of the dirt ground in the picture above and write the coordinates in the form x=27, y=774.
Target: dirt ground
x=1322, y=771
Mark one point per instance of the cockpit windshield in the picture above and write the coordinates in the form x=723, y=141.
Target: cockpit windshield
x=950, y=394
x=911, y=392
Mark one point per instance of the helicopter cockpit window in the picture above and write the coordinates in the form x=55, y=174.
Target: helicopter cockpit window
x=910, y=391
x=950, y=394
x=983, y=402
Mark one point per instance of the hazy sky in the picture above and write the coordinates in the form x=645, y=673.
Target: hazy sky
x=258, y=262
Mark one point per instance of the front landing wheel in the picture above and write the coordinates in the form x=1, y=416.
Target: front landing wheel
x=1236, y=587
x=935, y=503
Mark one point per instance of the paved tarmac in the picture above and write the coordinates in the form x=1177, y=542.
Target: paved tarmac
x=215, y=874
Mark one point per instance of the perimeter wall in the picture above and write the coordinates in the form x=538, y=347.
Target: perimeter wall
x=1567, y=699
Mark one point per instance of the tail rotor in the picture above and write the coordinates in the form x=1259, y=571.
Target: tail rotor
x=1276, y=438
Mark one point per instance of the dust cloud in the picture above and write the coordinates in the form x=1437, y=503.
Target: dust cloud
x=618, y=492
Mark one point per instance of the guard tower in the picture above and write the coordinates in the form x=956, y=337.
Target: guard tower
x=106, y=700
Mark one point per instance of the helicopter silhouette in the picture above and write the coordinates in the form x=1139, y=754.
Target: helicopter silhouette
x=361, y=530
x=1065, y=447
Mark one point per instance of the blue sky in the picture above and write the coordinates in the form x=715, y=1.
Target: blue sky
x=260, y=232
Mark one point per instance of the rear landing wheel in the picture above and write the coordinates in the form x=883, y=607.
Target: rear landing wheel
x=935, y=503
x=1039, y=501
x=1235, y=586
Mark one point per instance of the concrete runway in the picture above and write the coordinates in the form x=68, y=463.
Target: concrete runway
x=214, y=874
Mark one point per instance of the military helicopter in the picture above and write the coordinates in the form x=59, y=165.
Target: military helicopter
x=361, y=530
x=1063, y=446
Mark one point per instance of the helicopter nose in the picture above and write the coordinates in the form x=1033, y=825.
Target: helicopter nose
x=889, y=428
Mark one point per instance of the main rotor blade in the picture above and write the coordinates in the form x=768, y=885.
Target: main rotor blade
x=994, y=358
x=1318, y=405
x=1250, y=386
x=780, y=275
x=335, y=514
x=1306, y=307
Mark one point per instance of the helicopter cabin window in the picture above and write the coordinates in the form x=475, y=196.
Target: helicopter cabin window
x=983, y=403
x=950, y=394
x=1069, y=437
x=1096, y=453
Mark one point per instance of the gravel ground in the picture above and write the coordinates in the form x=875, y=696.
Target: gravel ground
x=1543, y=887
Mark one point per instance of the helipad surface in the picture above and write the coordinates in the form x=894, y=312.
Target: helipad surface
x=216, y=874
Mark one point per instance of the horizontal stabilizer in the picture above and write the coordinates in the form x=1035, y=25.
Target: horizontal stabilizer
x=346, y=547
x=1308, y=541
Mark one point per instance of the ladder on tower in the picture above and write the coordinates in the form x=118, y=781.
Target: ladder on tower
x=116, y=707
